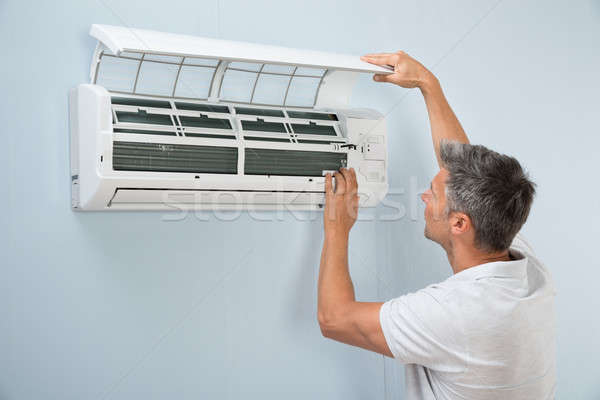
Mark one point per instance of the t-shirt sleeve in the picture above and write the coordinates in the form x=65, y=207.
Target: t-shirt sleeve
x=425, y=328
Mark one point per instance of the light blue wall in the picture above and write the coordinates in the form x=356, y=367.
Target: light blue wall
x=128, y=305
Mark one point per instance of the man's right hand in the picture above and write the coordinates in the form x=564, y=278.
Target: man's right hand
x=408, y=72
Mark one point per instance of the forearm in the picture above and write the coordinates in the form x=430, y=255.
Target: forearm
x=443, y=121
x=335, y=286
x=340, y=316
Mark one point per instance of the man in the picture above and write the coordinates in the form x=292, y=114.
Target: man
x=487, y=332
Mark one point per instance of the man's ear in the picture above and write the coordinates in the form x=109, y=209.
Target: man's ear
x=460, y=223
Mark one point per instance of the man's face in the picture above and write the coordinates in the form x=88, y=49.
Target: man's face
x=437, y=227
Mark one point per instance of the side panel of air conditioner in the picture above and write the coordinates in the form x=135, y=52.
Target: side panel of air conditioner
x=90, y=119
x=367, y=130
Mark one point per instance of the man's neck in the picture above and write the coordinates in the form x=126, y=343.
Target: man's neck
x=462, y=257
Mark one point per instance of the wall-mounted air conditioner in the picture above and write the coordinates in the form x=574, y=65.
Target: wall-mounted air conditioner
x=172, y=121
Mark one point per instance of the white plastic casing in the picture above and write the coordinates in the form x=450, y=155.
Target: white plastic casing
x=97, y=186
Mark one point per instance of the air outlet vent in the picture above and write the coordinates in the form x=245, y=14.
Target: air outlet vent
x=201, y=107
x=268, y=139
x=133, y=156
x=260, y=125
x=313, y=129
x=125, y=101
x=263, y=112
x=205, y=122
x=144, y=132
x=143, y=117
x=291, y=162
x=312, y=115
x=307, y=141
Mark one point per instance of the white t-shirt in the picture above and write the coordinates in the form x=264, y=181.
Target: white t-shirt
x=484, y=333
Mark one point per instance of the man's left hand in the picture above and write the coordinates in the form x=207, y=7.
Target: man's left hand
x=341, y=204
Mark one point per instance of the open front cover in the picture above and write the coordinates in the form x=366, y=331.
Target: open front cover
x=119, y=39
x=140, y=62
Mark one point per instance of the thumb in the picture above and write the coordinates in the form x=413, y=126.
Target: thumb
x=383, y=77
x=328, y=185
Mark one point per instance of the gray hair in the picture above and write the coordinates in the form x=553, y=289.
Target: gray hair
x=491, y=188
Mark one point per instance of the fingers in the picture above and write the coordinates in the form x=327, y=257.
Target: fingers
x=353, y=180
x=341, y=202
x=381, y=59
x=376, y=55
x=345, y=182
x=350, y=178
x=328, y=185
x=340, y=183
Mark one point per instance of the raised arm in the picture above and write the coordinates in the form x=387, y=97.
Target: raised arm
x=341, y=317
x=409, y=73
